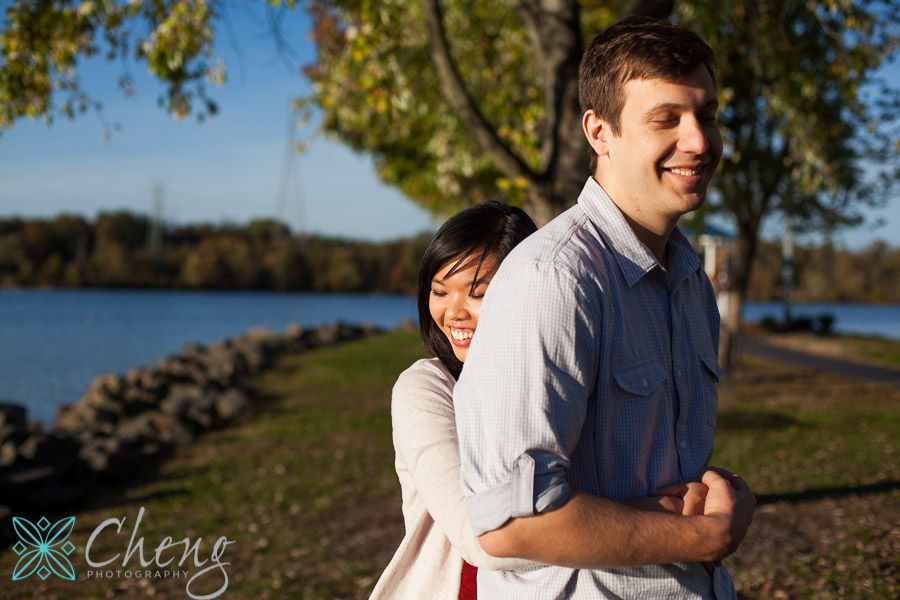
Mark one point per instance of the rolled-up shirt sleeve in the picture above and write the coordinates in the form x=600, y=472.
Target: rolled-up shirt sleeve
x=522, y=398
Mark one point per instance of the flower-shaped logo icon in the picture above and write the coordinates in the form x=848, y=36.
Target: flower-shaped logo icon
x=43, y=556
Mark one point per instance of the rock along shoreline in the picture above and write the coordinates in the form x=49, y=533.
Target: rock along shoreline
x=123, y=423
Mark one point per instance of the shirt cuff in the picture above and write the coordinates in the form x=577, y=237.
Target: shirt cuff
x=525, y=495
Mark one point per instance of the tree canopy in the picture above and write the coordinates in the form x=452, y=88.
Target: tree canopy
x=460, y=100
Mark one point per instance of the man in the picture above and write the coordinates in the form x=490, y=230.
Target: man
x=592, y=380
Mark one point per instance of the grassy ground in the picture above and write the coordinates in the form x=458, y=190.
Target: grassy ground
x=306, y=489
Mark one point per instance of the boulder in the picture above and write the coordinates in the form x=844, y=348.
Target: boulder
x=231, y=404
x=8, y=454
x=133, y=377
x=136, y=400
x=80, y=418
x=223, y=364
x=50, y=449
x=406, y=326
x=189, y=403
x=294, y=331
x=154, y=428
x=14, y=433
x=178, y=369
x=111, y=457
x=193, y=351
x=12, y=414
x=108, y=385
x=153, y=381
x=252, y=353
x=323, y=335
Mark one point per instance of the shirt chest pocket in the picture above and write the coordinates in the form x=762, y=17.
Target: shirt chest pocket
x=640, y=380
x=637, y=402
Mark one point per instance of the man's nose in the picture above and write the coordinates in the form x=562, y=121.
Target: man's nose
x=693, y=138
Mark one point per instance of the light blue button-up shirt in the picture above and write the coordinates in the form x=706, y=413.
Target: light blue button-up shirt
x=592, y=367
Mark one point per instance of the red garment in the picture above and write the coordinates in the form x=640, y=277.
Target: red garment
x=467, y=585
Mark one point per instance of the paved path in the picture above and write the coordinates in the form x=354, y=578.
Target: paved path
x=871, y=374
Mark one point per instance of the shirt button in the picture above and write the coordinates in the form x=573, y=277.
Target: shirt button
x=679, y=373
x=644, y=383
x=683, y=444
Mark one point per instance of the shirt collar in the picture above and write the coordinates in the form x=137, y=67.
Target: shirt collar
x=633, y=257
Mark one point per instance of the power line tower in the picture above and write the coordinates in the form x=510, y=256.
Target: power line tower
x=155, y=231
x=291, y=203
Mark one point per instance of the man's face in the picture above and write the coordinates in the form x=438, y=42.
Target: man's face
x=668, y=145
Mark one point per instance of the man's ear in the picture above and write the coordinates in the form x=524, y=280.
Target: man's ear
x=596, y=130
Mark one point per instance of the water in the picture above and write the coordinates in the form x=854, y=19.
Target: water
x=865, y=319
x=53, y=343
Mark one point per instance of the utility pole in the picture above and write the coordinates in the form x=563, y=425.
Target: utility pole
x=155, y=231
x=787, y=269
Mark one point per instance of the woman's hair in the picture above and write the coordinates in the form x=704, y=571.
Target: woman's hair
x=485, y=229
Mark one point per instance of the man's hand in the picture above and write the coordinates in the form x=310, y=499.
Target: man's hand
x=666, y=503
x=731, y=504
x=691, y=493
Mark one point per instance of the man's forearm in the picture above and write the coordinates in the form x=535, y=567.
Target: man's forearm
x=591, y=532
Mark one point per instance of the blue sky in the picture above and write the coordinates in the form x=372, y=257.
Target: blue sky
x=228, y=169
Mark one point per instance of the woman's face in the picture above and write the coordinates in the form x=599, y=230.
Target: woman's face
x=454, y=302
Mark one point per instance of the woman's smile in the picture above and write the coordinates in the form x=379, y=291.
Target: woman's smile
x=461, y=337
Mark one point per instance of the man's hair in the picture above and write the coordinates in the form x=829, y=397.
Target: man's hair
x=478, y=231
x=636, y=48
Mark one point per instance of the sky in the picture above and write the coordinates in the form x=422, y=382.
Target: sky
x=230, y=169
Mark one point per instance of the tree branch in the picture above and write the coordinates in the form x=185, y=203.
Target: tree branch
x=463, y=103
x=530, y=13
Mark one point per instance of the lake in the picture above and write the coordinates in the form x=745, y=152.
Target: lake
x=54, y=342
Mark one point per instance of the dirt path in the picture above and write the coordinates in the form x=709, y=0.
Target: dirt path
x=763, y=348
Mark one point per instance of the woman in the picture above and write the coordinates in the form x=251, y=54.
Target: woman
x=456, y=270
x=439, y=554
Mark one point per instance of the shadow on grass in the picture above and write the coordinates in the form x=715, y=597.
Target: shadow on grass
x=830, y=492
x=740, y=419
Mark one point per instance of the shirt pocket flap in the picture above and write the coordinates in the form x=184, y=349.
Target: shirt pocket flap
x=712, y=364
x=640, y=380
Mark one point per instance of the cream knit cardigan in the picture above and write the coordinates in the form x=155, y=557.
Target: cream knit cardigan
x=428, y=563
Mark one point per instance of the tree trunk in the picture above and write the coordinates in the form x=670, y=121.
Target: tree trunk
x=729, y=346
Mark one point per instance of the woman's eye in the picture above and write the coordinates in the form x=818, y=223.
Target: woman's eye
x=438, y=294
x=477, y=296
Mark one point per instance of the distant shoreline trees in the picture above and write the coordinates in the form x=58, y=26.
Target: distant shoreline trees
x=113, y=251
